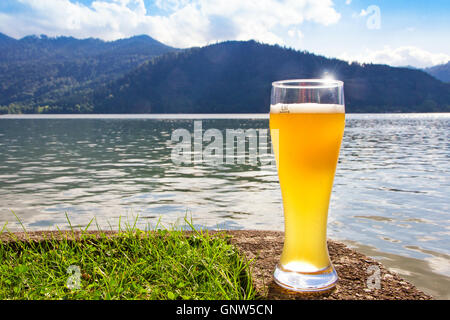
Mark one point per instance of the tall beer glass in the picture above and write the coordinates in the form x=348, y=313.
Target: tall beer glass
x=307, y=119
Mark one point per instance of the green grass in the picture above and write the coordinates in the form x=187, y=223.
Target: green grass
x=132, y=264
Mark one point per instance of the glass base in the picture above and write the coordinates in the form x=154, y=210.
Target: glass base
x=321, y=280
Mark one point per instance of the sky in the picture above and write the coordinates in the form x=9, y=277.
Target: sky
x=395, y=32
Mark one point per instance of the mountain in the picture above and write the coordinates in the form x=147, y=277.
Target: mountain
x=4, y=39
x=39, y=74
x=38, y=70
x=441, y=72
x=235, y=77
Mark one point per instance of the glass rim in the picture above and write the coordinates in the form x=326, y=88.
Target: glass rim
x=308, y=84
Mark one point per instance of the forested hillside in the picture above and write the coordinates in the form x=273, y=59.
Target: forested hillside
x=39, y=71
x=236, y=77
x=142, y=75
x=441, y=72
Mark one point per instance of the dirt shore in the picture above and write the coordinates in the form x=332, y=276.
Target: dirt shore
x=264, y=247
x=353, y=269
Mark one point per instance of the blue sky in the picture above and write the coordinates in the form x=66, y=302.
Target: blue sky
x=395, y=32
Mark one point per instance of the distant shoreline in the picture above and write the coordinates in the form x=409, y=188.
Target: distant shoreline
x=185, y=115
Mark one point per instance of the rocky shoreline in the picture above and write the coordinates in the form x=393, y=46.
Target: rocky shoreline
x=353, y=268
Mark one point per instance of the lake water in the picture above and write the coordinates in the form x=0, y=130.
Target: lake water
x=390, y=198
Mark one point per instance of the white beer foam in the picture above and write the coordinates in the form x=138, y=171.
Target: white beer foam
x=306, y=108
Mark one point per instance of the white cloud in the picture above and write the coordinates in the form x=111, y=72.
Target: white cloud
x=363, y=13
x=186, y=23
x=294, y=33
x=401, y=56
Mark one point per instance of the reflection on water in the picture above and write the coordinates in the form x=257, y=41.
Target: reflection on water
x=390, y=193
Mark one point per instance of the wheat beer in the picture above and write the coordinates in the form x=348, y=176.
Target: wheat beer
x=306, y=139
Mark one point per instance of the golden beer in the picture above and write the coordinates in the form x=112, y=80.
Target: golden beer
x=307, y=152
x=306, y=139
